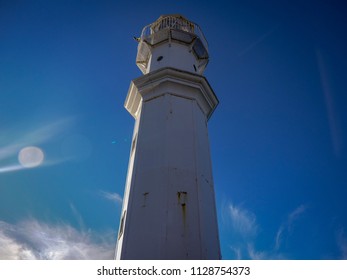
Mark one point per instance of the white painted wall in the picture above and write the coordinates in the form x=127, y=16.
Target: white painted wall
x=173, y=55
x=171, y=210
x=169, y=207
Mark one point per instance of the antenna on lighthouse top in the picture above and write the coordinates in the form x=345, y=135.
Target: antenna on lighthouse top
x=166, y=36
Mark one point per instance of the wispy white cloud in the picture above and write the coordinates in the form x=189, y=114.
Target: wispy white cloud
x=237, y=252
x=10, y=249
x=77, y=216
x=269, y=254
x=245, y=232
x=115, y=197
x=242, y=220
x=286, y=226
x=257, y=255
x=296, y=213
x=31, y=239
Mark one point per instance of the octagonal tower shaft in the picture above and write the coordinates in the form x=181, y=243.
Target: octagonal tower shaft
x=169, y=207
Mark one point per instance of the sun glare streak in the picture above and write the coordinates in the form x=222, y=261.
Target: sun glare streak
x=335, y=129
x=36, y=136
x=28, y=157
x=18, y=167
x=258, y=41
x=9, y=150
x=11, y=168
x=25, y=148
x=48, y=131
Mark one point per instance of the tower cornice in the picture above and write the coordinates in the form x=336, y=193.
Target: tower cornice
x=171, y=81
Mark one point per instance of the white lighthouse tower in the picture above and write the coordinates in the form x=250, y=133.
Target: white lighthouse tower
x=169, y=207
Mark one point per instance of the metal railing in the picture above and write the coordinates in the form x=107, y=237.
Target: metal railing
x=176, y=23
x=173, y=22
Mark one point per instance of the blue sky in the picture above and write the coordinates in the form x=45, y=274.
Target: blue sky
x=278, y=137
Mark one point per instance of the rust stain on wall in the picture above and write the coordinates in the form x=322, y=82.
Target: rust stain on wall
x=182, y=200
x=145, y=194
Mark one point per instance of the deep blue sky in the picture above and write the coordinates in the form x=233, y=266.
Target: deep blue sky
x=278, y=137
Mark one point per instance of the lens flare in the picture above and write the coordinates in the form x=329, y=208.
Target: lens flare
x=30, y=157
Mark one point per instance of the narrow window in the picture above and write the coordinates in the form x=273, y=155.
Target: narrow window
x=121, y=228
x=133, y=144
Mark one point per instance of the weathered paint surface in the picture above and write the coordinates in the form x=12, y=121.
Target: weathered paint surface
x=174, y=55
x=169, y=203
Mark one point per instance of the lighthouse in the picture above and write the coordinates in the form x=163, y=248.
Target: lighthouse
x=169, y=209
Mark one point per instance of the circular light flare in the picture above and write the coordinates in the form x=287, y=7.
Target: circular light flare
x=30, y=157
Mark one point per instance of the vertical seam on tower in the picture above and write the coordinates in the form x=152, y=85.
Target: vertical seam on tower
x=166, y=97
x=196, y=170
